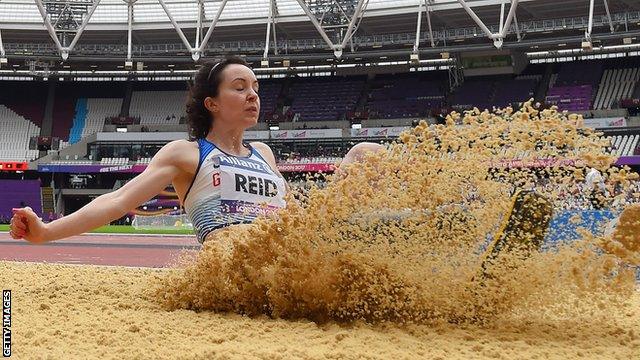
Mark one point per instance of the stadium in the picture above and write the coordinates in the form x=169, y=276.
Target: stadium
x=500, y=220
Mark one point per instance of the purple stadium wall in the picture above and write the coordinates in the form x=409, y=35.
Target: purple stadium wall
x=13, y=192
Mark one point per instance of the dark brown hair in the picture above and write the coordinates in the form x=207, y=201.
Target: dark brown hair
x=205, y=84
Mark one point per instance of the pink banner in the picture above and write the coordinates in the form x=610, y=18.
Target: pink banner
x=535, y=163
x=306, y=134
x=306, y=167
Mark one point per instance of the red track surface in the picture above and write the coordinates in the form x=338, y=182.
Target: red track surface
x=120, y=250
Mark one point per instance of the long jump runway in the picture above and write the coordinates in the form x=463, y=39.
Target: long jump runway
x=97, y=249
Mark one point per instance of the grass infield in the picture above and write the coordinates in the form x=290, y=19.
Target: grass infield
x=124, y=229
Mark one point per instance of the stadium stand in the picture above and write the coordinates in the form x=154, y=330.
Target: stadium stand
x=325, y=98
x=155, y=106
x=572, y=88
x=509, y=91
x=580, y=72
x=269, y=93
x=313, y=160
x=404, y=95
x=143, y=161
x=571, y=98
x=322, y=98
x=15, y=132
x=472, y=93
x=158, y=107
x=624, y=145
x=488, y=92
x=615, y=85
x=79, y=120
x=114, y=161
x=26, y=98
x=68, y=104
x=71, y=162
x=636, y=91
x=90, y=116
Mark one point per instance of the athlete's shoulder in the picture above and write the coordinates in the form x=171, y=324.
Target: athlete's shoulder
x=260, y=144
x=177, y=152
x=267, y=154
x=264, y=149
x=182, y=144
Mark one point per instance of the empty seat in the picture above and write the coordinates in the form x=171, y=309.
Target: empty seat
x=15, y=133
x=158, y=107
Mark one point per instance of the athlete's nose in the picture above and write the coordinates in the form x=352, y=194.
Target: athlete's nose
x=253, y=95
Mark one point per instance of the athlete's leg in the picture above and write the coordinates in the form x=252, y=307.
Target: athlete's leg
x=523, y=228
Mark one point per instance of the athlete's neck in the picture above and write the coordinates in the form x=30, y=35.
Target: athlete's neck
x=228, y=140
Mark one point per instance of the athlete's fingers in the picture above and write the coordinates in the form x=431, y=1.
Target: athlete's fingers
x=23, y=210
x=18, y=223
x=17, y=214
x=24, y=214
x=18, y=229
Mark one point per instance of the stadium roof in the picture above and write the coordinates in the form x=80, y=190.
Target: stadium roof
x=449, y=13
x=380, y=26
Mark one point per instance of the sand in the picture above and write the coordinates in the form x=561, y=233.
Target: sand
x=84, y=312
x=338, y=254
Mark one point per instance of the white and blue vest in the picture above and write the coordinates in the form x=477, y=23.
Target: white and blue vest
x=229, y=190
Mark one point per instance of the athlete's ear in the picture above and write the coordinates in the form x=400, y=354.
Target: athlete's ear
x=211, y=104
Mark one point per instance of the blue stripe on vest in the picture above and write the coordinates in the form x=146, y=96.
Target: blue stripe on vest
x=205, y=149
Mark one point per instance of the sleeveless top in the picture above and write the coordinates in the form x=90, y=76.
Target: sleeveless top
x=229, y=190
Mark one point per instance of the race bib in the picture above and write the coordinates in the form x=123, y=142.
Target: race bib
x=247, y=186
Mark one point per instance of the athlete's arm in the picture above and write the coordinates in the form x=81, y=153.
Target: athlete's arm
x=356, y=154
x=164, y=167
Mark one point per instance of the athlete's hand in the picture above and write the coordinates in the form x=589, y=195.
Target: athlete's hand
x=25, y=224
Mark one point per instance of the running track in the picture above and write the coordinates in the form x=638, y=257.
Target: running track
x=116, y=250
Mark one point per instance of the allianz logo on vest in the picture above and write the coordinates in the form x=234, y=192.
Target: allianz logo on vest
x=256, y=185
x=248, y=164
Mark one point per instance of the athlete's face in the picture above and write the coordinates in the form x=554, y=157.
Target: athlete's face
x=237, y=102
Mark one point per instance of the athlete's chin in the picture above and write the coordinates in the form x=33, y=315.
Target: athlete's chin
x=250, y=121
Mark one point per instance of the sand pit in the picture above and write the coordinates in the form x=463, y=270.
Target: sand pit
x=324, y=279
x=75, y=312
